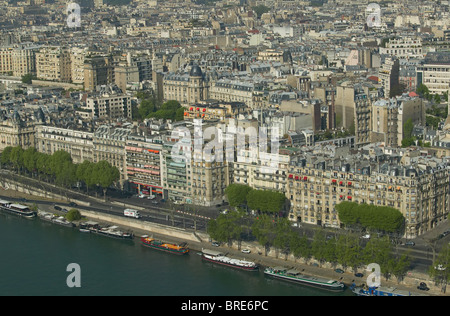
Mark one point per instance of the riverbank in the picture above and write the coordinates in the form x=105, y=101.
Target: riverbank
x=197, y=241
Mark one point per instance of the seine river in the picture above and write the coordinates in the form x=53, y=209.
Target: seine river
x=35, y=256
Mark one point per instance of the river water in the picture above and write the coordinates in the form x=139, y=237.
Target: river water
x=35, y=256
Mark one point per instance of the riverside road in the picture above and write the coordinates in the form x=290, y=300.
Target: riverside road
x=196, y=219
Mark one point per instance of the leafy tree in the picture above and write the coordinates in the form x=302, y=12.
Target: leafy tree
x=400, y=266
x=6, y=155
x=371, y=217
x=168, y=111
x=85, y=172
x=300, y=246
x=318, y=246
x=226, y=227
x=437, y=98
x=145, y=108
x=58, y=162
x=237, y=194
x=379, y=250
x=27, y=78
x=422, y=90
x=408, y=128
x=265, y=201
x=348, y=251
x=264, y=232
x=440, y=269
x=73, y=215
x=105, y=175
x=282, y=235
x=16, y=157
x=29, y=159
x=67, y=174
x=260, y=10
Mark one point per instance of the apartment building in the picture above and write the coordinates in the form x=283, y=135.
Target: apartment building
x=109, y=145
x=77, y=56
x=186, y=88
x=418, y=187
x=109, y=103
x=403, y=48
x=98, y=71
x=390, y=115
x=271, y=55
x=16, y=130
x=54, y=64
x=214, y=110
x=176, y=168
x=261, y=170
x=79, y=144
x=18, y=59
x=143, y=164
x=353, y=109
x=434, y=72
x=228, y=90
x=388, y=74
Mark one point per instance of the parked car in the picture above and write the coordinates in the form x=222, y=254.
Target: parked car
x=410, y=243
x=215, y=244
x=73, y=204
x=366, y=236
x=246, y=250
x=339, y=271
x=359, y=275
x=56, y=207
x=423, y=287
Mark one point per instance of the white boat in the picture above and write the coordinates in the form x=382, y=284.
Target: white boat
x=60, y=220
x=219, y=258
x=17, y=209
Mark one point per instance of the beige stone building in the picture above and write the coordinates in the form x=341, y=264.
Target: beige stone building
x=109, y=103
x=434, y=72
x=53, y=64
x=390, y=115
x=186, y=88
x=77, y=56
x=17, y=131
x=417, y=187
x=18, y=60
x=79, y=144
x=353, y=109
x=235, y=91
x=109, y=145
x=98, y=70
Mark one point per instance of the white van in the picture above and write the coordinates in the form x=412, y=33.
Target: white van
x=131, y=213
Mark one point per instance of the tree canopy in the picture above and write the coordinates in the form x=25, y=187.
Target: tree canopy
x=60, y=168
x=261, y=200
x=370, y=217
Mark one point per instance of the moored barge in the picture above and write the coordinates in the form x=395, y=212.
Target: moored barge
x=178, y=249
x=296, y=277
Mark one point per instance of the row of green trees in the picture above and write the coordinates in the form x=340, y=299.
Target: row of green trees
x=262, y=200
x=370, y=217
x=149, y=107
x=59, y=168
x=346, y=250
